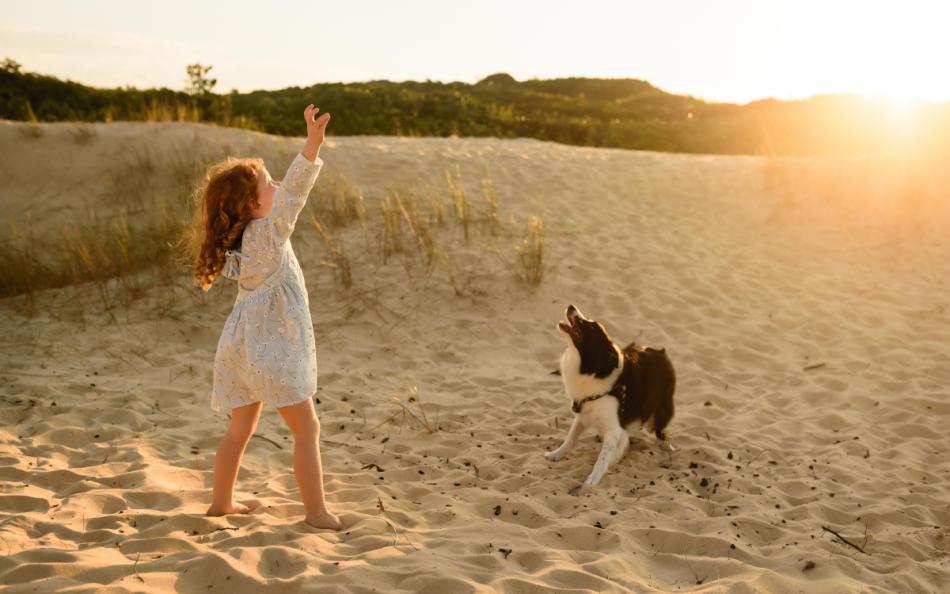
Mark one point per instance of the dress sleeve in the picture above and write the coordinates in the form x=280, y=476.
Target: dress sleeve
x=291, y=196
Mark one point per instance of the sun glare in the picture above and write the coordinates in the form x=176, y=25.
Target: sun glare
x=886, y=50
x=902, y=111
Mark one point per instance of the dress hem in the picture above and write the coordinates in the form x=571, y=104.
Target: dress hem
x=267, y=403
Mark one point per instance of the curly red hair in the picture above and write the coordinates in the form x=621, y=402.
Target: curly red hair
x=227, y=201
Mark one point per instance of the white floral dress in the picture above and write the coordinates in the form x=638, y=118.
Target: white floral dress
x=267, y=350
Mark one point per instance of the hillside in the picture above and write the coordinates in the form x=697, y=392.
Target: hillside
x=620, y=113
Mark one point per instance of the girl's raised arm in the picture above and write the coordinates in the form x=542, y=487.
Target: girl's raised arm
x=292, y=194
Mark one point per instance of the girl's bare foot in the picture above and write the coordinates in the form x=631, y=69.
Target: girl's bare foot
x=244, y=507
x=325, y=520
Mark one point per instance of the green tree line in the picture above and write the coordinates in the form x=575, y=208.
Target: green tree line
x=620, y=113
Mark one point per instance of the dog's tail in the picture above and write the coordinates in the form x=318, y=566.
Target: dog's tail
x=661, y=419
x=664, y=411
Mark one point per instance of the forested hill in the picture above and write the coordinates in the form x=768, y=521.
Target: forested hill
x=622, y=113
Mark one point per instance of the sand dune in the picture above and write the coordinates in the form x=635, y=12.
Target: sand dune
x=811, y=339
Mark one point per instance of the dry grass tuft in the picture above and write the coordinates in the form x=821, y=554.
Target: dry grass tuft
x=31, y=130
x=419, y=416
x=419, y=229
x=339, y=203
x=338, y=261
x=457, y=193
x=491, y=201
x=159, y=111
x=83, y=134
x=531, y=252
x=390, y=213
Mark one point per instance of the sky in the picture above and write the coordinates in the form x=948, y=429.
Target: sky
x=719, y=50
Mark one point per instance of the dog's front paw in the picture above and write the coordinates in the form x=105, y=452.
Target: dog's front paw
x=553, y=456
x=581, y=489
x=592, y=481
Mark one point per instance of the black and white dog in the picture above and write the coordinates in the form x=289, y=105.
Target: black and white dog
x=611, y=388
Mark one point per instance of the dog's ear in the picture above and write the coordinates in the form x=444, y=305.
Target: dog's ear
x=598, y=356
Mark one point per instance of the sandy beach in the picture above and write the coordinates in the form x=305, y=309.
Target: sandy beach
x=810, y=333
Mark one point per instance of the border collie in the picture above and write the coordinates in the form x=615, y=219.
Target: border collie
x=611, y=388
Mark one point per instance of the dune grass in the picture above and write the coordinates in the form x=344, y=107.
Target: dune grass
x=144, y=239
x=163, y=111
x=31, y=129
x=531, y=252
x=144, y=228
x=337, y=257
x=459, y=199
x=83, y=134
x=491, y=202
x=339, y=202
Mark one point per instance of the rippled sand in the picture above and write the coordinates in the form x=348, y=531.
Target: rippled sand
x=811, y=341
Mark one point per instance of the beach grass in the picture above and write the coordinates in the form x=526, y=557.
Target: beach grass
x=145, y=238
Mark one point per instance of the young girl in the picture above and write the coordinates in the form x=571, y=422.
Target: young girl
x=266, y=352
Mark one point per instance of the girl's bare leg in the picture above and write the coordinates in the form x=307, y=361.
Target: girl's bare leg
x=227, y=461
x=303, y=423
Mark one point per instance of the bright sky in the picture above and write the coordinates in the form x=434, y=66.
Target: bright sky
x=729, y=50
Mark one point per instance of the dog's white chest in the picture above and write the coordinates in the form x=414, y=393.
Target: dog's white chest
x=578, y=385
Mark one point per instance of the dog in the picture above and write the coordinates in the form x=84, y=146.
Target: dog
x=611, y=388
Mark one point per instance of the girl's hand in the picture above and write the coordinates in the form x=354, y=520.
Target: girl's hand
x=316, y=126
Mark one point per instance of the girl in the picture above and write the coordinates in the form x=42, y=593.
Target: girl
x=266, y=352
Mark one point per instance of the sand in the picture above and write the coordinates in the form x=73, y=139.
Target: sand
x=811, y=340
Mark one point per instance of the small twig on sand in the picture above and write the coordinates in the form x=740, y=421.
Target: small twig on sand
x=159, y=409
x=813, y=366
x=371, y=430
x=756, y=457
x=392, y=524
x=386, y=420
x=135, y=571
x=844, y=540
x=395, y=534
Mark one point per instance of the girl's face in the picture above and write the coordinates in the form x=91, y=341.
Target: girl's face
x=266, y=188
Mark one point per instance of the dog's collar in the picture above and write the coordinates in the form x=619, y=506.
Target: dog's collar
x=618, y=390
x=578, y=405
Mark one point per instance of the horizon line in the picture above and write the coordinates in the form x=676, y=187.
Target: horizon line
x=788, y=99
